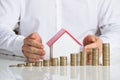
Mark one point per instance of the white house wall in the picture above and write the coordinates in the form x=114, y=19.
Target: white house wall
x=64, y=46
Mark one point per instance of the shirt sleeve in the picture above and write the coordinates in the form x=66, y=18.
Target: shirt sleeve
x=9, y=16
x=109, y=23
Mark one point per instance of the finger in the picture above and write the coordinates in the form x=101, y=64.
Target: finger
x=30, y=49
x=35, y=36
x=33, y=43
x=96, y=44
x=90, y=57
x=33, y=60
x=42, y=57
x=43, y=53
x=30, y=55
x=90, y=62
x=88, y=50
x=33, y=50
x=92, y=45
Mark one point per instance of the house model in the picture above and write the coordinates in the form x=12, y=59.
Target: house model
x=63, y=44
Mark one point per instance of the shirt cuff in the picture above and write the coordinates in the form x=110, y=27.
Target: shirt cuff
x=18, y=45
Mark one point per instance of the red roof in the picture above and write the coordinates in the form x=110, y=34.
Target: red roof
x=58, y=35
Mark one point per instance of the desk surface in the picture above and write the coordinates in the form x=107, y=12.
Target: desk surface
x=55, y=73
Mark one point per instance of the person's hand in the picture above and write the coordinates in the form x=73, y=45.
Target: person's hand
x=92, y=42
x=33, y=48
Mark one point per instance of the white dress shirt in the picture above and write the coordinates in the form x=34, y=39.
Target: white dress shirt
x=79, y=17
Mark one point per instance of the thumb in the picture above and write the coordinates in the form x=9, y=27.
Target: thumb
x=35, y=36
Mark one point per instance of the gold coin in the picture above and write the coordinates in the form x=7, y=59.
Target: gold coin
x=13, y=66
x=54, y=62
x=39, y=64
x=29, y=64
x=21, y=65
x=83, y=58
x=46, y=62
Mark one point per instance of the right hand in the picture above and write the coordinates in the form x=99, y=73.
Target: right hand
x=91, y=42
x=33, y=48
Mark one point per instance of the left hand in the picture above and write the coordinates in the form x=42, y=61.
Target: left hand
x=33, y=49
x=90, y=42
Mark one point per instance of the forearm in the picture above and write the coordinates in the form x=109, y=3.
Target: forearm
x=111, y=34
x=109, y=23
x=10, y=41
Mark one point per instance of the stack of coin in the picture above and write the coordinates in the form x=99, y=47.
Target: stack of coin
x=39, y=64
x=83, y=58
x=63, y=60
x=95, y=57
x=54, y=62
x=106, y=54
x=29, y=64
x=20, y=65
x=33, y=64
x=74, y=59
x=46, y=62
x=88, y=60
x=12, y=65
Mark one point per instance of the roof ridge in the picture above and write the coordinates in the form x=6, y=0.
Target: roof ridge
x=58, y=35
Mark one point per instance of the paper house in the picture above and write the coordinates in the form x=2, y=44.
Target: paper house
x=63, y=44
